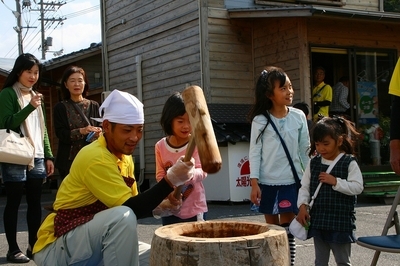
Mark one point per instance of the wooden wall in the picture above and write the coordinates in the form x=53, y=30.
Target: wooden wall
x=282, y=43
x=230, y=58
x=166, y=36
x=353, y=32
x=364, y=5
x=2, y=80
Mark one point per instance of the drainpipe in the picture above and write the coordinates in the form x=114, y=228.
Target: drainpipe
x=104, y=47
x=140, y=97
x=201, y=38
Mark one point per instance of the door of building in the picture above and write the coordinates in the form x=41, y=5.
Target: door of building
x=369, y=72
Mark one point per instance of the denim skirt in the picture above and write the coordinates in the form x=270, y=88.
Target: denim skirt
x=19, y=173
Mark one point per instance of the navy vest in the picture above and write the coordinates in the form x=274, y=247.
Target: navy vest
x=332, y=210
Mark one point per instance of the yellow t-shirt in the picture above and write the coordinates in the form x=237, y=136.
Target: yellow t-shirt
x=394, y=86
x=324, y=95
x=95, y=174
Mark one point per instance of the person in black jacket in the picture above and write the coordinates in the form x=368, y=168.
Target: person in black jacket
x=71, y=118
x=97, y=205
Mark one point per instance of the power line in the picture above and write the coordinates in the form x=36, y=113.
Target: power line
x=83, y=11
x=47, y=21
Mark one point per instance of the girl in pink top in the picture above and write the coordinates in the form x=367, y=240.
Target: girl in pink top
x=176, y=126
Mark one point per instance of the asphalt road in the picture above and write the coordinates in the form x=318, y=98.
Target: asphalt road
x=370, y=215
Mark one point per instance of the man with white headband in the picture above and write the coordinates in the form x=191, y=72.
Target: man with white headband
x=97, y=204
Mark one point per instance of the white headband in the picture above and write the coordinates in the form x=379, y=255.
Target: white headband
x=122, y=108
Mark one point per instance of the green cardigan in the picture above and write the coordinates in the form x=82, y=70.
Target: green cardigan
x=11, y=116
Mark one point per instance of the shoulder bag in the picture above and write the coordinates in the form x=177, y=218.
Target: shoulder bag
x=316, y=94
x=296, y=228
x=80, y=111
x=89, y=137
x=15, y=148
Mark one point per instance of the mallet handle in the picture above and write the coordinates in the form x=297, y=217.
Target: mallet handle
x=188, y=156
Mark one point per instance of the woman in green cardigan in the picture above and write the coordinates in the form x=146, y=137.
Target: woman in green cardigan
x=22, y=110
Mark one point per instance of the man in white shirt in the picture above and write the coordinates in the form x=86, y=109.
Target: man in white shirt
x=340, y=106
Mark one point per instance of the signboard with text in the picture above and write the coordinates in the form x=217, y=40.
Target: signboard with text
x=367, y=102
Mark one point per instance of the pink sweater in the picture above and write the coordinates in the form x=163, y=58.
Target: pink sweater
x=195, y=202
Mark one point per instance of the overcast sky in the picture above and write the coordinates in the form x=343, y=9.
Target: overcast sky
x=80, y=28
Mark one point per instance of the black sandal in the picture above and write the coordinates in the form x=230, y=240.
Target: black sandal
x=17, y=257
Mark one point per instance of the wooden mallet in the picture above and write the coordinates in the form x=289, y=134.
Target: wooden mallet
x=202, y=134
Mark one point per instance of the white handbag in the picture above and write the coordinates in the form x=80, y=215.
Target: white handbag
x=296, y=228
x=15, y=148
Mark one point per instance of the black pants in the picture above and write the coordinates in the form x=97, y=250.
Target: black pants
x=14, y=192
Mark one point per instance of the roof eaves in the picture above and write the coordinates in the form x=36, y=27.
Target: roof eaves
x=309, y=10
x=230, y=122
x=4, y=72
x=72, y=57
x=271, y=12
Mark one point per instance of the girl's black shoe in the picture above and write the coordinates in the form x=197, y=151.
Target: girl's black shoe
x=17, y=257
x=29, y=254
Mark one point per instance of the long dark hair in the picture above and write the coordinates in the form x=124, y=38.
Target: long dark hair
x=173, y=107
x=265, y=88
x=335, y=127
x=67, y=73
x=22, y=63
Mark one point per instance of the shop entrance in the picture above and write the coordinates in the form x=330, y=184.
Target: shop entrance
x=369, y=72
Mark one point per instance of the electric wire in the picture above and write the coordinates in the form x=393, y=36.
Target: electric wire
x=30, y=39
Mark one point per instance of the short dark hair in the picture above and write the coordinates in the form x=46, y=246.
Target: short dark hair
x=319, y=67
x=302, y=106
x=344, y=79
x=67, y=73
x=173, y=107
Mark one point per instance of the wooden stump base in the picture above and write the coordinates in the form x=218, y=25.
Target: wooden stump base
x=219, y=243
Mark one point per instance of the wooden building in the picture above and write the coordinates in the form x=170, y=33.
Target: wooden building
x=153, y=48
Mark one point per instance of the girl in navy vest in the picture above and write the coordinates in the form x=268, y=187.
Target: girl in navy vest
x=332, y=217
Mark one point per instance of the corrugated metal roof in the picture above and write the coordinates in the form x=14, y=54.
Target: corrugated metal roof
x=230, y=122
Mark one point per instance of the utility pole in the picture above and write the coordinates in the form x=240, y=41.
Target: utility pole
x=18, y=29
x=17, y=14
x=42, y=31
x=47, y=42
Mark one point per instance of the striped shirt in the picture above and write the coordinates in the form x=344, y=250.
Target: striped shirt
x=339, y=99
